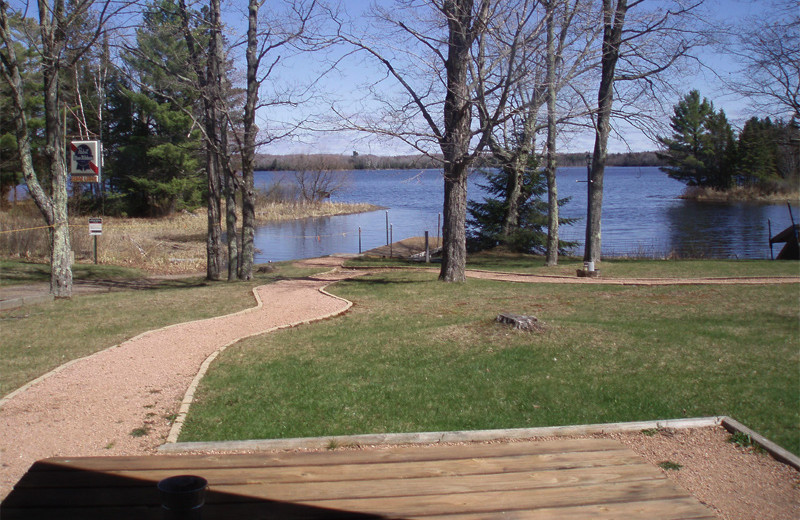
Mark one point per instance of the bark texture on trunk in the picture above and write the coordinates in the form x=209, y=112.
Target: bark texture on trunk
x=456, y=140
x=613, y=22
x=52, y=203
x=454, y=240
x=248, y=149
x=551, y=256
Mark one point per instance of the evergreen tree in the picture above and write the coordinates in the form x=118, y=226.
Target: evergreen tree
x=160, y=165
x=487, y=219
x=769, y=155
x=758, y=150
x=702, y=147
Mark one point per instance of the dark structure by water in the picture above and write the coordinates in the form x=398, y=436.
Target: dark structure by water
x=790, y=251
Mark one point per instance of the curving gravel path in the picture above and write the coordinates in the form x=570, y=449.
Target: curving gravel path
x=121, y=401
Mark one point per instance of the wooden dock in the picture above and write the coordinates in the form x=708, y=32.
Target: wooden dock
x=564, y=479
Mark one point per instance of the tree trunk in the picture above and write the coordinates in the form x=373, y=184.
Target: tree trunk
x=214, y=252
x=513, y=194
x=454, y=242
x=456, y=140
x=230, y=218
x=55, y=212
x=53, y=205
x=248, y=150
x=613, y=22
x=551, y=258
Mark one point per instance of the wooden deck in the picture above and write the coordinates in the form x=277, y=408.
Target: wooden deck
x=564, y=479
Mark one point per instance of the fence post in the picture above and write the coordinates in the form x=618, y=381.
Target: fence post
x=359, y=240
x=387, y=227
x=438, y=229
x=391, y=238
x=427, y=249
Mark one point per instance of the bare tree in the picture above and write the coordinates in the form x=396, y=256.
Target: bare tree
x=636, y=52
x=433, y=66
x=273, y=36
x=58, y=53
x=317, y=181
x=207, y=69
x=769, y=51
x=508, y=55
x=557, y=49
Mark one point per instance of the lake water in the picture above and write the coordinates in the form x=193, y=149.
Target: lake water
x=642, y=215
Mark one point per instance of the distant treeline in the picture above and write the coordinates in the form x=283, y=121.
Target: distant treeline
x=356, y=161
x=614, y=159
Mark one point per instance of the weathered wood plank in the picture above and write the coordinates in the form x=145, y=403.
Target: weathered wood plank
x=380, y=487
x=511, y=500
x=372, y=488
x=344, y=471
x=394, y=454
x=670, y=509
x=565, y=479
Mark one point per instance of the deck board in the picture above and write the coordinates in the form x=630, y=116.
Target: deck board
x=567, y=478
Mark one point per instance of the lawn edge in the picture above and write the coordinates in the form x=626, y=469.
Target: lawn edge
x=188, y=398
x=394, y=439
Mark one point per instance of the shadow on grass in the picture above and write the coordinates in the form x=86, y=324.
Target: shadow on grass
x=375, y=282
x=145, y=284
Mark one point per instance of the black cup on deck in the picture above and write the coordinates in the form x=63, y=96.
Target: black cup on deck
x=182, y=496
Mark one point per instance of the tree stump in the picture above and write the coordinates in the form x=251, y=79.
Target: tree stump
x=520, y=322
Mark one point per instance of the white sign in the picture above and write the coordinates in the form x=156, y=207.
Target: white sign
x=95, y=226
x=85, y=161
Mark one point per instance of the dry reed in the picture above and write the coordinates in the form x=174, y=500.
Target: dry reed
x=174, y=244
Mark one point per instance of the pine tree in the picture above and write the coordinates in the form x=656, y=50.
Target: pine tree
x=702, y=147
x=487, y=218
x=757, y=153
x=159, y=166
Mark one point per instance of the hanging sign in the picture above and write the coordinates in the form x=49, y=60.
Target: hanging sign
x=85, y=161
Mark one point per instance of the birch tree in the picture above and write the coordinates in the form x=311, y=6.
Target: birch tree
x=57, y=53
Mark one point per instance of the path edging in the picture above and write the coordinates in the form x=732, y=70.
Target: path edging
x=393, y=439
x=390, y=439
x=188, y=397
x=66, y=365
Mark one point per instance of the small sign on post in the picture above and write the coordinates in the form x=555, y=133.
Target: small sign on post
x=95, y=230
x=95, y=226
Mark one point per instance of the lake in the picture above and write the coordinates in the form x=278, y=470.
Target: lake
x=642, y=216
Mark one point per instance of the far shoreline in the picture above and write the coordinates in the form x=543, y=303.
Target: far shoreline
x=738, y=194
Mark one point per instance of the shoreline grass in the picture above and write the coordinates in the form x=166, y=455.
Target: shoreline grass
x=418, y=355
x=748, y=194
x=168, y=245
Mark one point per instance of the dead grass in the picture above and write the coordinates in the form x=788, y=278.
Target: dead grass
x=168, y=245
x=738, y=194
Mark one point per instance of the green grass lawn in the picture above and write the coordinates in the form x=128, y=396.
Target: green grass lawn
x=13, y=272
x=38, y=338
x=418, y=355
x=609, y=268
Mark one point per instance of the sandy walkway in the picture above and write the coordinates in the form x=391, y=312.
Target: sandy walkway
x=120, y=400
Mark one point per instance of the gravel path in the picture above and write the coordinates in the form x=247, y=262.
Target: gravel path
x=121, y=401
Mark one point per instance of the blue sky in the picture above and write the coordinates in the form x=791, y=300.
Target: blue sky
x=355, y=72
